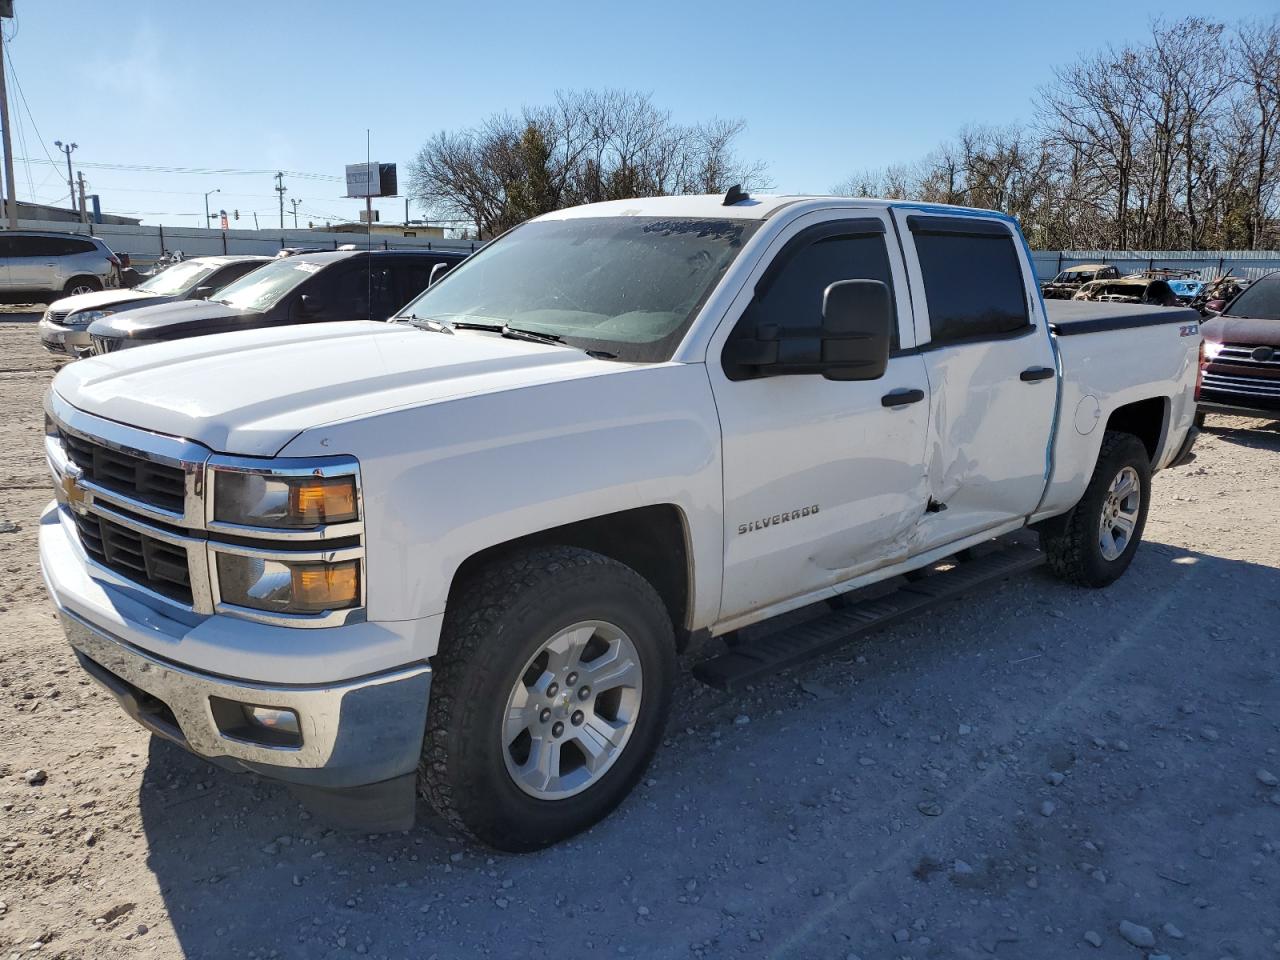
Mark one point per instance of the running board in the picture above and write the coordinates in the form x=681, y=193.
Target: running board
x=769, y=654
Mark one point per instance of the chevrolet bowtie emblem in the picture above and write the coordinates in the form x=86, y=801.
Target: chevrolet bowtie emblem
x=78, y=498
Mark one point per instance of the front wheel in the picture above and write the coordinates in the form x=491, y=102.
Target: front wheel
x=1097, y=542
x=549, y=696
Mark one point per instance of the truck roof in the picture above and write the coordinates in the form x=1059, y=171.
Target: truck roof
x=761, y=207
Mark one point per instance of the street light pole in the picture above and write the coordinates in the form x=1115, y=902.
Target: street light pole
x=71, y=181
x=207, y=215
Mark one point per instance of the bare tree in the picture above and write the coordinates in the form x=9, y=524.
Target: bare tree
x=585, y=147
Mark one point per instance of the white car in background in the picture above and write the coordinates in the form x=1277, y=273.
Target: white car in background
x=64, y=327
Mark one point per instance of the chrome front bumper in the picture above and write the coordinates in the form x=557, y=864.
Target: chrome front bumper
x=353, y=733
x=361, y=735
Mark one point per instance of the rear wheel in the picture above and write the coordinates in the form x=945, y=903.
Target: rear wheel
x=1097, y=542
x=549, y=696
x=77, y=285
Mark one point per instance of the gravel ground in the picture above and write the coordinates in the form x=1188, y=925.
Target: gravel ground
x=1037, y=772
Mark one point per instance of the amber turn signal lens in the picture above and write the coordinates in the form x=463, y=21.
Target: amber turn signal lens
x=326, y=586
x=323, y=500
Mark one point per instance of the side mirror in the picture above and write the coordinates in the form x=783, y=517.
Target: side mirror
x=851, y=342
x=307, y=305
x=857, y=326
x=203, y=293
x=438, y=270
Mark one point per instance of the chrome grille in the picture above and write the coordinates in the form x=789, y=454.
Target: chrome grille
x=56, y=316
x=132, y=476
x=152, y=563
x=1242, y=354
x=103, y=345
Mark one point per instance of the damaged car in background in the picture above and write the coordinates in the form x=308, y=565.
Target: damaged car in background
x=1068, y=281
x=1152, y=291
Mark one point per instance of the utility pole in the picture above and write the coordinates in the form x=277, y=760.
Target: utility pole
x=406, y=211
x=10, y=191
x=280, y=189
x=295, y=201
x=71, y=181
x=84, y=210
x=255, y=219
x=208, y=216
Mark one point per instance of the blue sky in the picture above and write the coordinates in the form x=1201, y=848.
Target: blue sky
x=826, y=88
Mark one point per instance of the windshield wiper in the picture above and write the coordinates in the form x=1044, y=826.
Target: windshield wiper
x=533, y=336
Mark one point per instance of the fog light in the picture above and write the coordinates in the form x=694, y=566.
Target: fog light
x=274, y=718
x=276, y=727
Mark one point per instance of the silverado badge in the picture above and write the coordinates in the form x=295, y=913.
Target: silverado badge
x=785, y=517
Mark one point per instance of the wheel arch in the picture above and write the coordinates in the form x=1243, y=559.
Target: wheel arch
x=1146, y=419
x=653, y=540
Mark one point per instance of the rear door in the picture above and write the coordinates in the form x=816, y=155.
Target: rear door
x=823, y=479
x=990, y=363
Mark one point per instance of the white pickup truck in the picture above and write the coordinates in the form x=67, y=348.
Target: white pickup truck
x=457, y=554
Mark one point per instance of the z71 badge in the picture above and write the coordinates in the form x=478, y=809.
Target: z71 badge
x=785, y=517
x=1188, y=329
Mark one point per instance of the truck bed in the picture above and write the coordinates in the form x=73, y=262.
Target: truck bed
x=1113, y=354
x=1070, y=317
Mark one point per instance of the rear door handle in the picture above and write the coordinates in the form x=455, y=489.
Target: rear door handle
x=1035, y=374
x=900, y=398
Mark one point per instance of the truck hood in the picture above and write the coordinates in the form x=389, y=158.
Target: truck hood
x=250, y=393
x=1243, y=330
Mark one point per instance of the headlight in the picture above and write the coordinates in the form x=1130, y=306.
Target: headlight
x=284, y=502
x=282, y=586
x=83, y=318
x=1212, y=349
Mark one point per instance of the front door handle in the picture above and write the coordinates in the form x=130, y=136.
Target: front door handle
x=900, y=398
x=1035, y=374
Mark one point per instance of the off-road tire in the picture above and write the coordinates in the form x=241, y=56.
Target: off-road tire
x=1073, y=550
x=1200, y=415
x=93, y=283
x=494, y=624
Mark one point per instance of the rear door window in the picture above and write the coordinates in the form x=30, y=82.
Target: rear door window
x=972, y=278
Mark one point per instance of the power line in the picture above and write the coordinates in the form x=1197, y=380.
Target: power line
x=207, y=171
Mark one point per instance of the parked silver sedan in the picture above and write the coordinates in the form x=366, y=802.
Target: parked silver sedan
x=63, y=329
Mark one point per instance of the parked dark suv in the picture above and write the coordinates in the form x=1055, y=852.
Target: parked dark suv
x=1241, y=369
x=307, y=288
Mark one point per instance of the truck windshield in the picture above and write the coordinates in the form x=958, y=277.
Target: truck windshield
x=176, y=279
x=263, y=288
x=626, y=286
x=1261, y=301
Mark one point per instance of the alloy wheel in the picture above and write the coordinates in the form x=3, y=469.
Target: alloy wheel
x=572, y=710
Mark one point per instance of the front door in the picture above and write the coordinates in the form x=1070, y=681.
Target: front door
x=990, y=361
x=822, y=478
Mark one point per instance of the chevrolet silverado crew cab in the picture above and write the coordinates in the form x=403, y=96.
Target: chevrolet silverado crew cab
x=459, y=552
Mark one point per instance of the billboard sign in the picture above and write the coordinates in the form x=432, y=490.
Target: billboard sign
x=371, y=180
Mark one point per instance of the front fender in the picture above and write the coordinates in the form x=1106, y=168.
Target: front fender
x=445, y=480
